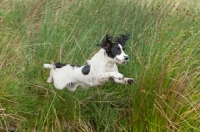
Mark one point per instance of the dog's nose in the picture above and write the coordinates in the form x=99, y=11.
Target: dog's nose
x=126, y=57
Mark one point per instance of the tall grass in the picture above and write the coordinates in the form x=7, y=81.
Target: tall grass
x=164, y=51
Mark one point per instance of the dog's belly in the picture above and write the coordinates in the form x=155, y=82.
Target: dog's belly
x=98, y=81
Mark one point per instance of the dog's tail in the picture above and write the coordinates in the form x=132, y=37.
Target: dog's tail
x=49, y=66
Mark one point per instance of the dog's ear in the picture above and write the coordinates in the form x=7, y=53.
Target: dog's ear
x=122, y=38
x=106, y=42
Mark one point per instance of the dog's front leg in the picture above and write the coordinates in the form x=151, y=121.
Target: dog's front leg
x=124, y=80
x=107, y=75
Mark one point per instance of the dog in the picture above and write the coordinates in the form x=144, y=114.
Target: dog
x=101, y=67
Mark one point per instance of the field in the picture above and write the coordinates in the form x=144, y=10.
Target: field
x=164, y=53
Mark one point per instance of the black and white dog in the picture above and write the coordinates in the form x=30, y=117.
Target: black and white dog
x=98, y=70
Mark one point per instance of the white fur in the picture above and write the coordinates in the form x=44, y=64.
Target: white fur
x=102, y=68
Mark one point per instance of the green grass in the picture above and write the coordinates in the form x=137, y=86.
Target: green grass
x=164, y=50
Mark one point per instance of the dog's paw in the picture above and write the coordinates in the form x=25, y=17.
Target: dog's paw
x=130, y=81
x=119, y=76
x=49, y=80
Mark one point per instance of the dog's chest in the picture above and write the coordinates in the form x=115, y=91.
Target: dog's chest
x=105, y=68
x=97, y=73
x=110, y=67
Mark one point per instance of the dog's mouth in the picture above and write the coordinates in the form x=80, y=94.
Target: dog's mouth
x=121, y=61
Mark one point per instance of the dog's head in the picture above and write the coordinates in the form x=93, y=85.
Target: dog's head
x=115, y=50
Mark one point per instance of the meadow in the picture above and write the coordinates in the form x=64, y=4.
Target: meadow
x=164, y=53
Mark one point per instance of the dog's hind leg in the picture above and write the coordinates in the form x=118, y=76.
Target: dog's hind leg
x=50, y=78
x=51, y=67
x=72, y=86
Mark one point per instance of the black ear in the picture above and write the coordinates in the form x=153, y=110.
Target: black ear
x=122, y=38
x=106, y=42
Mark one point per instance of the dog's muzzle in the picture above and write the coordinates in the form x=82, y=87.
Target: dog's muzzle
x=126, y=58
x=123, y=61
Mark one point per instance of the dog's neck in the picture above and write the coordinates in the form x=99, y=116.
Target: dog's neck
x=109, y=61
x=102, y=57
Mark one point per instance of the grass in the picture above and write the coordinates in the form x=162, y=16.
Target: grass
x=164, y=51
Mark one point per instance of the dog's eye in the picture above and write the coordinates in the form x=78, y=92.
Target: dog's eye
x=118, y=49
x=123, y=49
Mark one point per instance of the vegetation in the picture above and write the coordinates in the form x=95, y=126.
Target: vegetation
x=165, y=62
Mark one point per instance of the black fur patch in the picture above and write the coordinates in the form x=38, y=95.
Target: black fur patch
x=122, y=39
x=115, y=50
x=86, y=70
x=59, y=65
x=74, y=65
x=112, y=48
